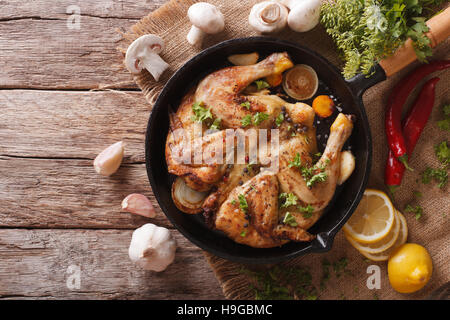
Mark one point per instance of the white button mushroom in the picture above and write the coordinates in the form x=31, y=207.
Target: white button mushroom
x=206, y=19
x=152, y=247
x=268, y=17
x=304, y=14
x=143, y=53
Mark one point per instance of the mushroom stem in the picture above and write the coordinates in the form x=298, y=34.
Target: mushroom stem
x=154, y=64
x=195, y=36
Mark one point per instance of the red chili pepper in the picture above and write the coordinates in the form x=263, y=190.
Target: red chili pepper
x=397, y=99
x=413, y=125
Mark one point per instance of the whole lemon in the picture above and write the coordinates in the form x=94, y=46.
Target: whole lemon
x=409, y=268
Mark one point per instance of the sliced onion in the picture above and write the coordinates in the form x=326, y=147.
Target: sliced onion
x=245, y=59
x=186, y=199
x=301, y=82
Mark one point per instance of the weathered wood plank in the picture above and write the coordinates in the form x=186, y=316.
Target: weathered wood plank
x=36, y=193
x=35, y=264
x=123, y=9
x=39, y=48
x=36, y=53
x=72, y=124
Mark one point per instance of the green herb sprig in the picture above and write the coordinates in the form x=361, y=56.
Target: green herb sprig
x=367, y=31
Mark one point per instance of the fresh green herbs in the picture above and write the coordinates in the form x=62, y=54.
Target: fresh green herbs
x=289, y=219
x=243, y=205
x=203, y=114
x=307, y=211
x=261, y=84
x=282, y=283
x=279, y=119
x=296, y=162
x=443, y=153
x=216, y=124
x=257, y=119
x=367, y=31
x=246, y=120
x=320, y=177
x=417, y=210
x=287, y=200
x=444, y=124
x=311, y=175
x=200, y=113
x=243, y=233
x=233, y=202
x=246, y=104
x=438, y=175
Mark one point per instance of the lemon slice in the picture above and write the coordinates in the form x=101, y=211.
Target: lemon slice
x=373, y=219
x=401, y=239
x=382, y=244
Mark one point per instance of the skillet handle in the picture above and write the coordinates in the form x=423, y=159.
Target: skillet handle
x=439, y=26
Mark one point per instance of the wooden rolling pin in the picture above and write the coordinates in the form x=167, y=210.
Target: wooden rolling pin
x=439, y=26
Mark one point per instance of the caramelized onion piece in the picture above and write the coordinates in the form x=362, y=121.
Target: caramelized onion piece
x=300, y=82
x=186, y=199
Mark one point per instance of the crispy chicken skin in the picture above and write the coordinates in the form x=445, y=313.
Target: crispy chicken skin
x=261, y=223
x=221, y=90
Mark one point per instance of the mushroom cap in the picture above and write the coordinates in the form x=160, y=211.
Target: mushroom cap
x=206, y=17
x=268, y=16
x=139, y=48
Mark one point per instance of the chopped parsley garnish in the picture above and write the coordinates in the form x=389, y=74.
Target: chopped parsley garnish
x=216, y=124
x=320, y=177
x=246, y=104
x=417, y=194
x=287, y=199
x=243, y=205
x=259, y=117
x=261, y=84
x=417, y=210
x=297, y=162
x=246, y=120
x=279, y=119
x=443, y=153
x=308, y=173
x=339, y=266
x=445, y=123
x=233, y=202
x=243, y=233
x=439, y=175
x=290, y=220
x=200, y=113
x=307, y=211
x=282, y=283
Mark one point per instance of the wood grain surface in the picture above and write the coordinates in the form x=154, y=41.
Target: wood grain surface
x=55, y=212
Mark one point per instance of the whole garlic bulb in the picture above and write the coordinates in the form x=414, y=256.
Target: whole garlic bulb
x=268, y=17
x=152, y=247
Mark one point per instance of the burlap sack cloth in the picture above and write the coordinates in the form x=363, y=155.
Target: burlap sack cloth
x=432, y=230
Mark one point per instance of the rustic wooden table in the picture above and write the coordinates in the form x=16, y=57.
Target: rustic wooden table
x=64, y=97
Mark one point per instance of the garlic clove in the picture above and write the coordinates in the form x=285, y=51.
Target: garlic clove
x=152, y=247
x=138, y=204
x=245, y=59
x=109, y=160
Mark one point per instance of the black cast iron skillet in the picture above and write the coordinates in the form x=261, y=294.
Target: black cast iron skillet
x=347, y=197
